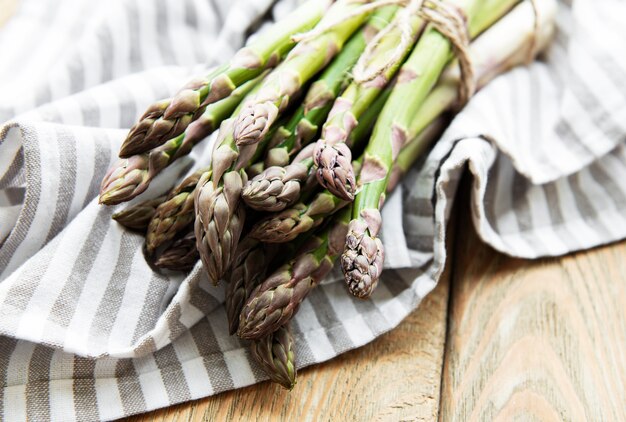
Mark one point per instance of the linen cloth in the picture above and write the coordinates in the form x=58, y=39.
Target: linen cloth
x=89, y=332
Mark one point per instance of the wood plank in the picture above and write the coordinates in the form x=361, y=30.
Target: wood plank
x=396, y=377
x=535, y=340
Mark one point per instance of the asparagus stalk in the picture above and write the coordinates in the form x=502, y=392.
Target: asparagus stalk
x=182, y=255
x=368, y=119
x=220, y=215
x=138, y=216
x=412, y=151
x=274, y=302
x=249, y=269
x=332, y=156
x=506, y=44
x=211, y=116
x=300, y=65
x=131, y=176
x=283, y=141
x=125, y=180
x=279, y=185
x=363, y=255
x=276, y=355
x=175, y=214
x=302, y=217
x=167, y=119
x=290, y=223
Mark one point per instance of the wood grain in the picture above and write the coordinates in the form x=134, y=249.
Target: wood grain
x=396, y=377
x=535, y=340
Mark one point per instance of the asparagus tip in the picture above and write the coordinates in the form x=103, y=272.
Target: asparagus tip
x=254, y=122
x=363, y=256
x=334, y=169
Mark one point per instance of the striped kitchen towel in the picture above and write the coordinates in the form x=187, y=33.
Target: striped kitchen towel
x=89, y=332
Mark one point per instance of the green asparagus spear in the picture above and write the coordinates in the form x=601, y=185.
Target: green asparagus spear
x=332, y=156
x=182, y=255
x=138, y=216
x=250, y=266
x=302, y=217
x=274, y=302
x=220, y=215
x=276, y=355
x=175, y=214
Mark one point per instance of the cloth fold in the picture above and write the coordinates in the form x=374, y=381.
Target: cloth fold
x=88, y=331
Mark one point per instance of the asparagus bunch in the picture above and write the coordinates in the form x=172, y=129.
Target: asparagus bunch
x=219, y=214
x=377, y=90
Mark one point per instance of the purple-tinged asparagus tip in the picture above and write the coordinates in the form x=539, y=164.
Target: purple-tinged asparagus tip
x=363, y=256
x=253, y=123
x=125, y=180
x=276, y=355
x=275, y=188
x=334, y=169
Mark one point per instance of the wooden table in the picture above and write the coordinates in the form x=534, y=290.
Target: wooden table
x=498, y=339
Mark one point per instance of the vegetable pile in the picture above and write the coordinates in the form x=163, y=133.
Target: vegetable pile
x=319, y=117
